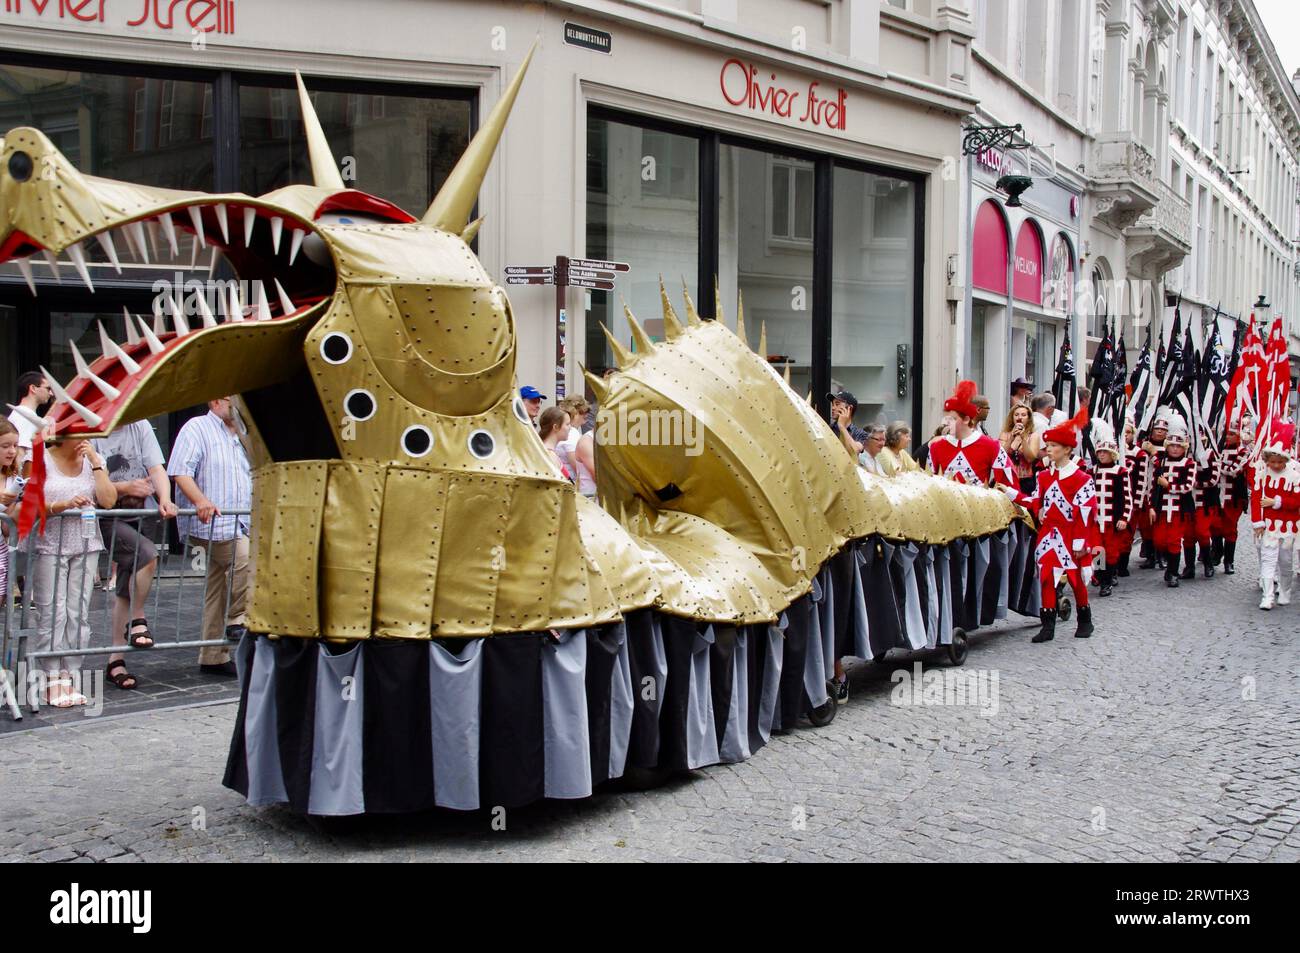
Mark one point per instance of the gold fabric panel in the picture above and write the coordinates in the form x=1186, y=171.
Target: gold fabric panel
x=410, y=537
x=288, y=502
x=349, y=544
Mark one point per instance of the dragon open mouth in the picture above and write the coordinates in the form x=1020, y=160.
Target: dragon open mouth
x=284, y=273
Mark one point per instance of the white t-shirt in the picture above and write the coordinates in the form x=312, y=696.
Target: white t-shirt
x=870, y=463
x=26, y=431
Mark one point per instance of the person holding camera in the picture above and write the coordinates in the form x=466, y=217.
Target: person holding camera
x=843, y=406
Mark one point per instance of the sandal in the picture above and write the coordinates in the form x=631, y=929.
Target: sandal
x=53, y=699
x=122, y=677
x=139, y=640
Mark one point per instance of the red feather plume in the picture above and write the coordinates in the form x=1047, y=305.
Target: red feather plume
x=965, y=391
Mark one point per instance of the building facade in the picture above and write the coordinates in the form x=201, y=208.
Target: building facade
x=798, y=152
x=1170, y=128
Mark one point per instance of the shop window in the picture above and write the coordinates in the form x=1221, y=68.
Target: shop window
x=205, y=120
x=791, y=200
x=669, y=166
x=140, y=120
x=872, y=292
x=403, y=158
x=642, y=208
x=166, y=112
x=760, y=257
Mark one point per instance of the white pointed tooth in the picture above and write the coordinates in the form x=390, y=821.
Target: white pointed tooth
x=169, y=232
x=263, y=306
x=277, y=226
x=295, y=243
x=219, y=210
x=83, y=370
x=113, y=349
x=235, y=309
x=196, y=219
x=194, y=252
x=286, y=303
x=135, y=233
x=54, y=265
x=106, y=243
x=151, y=229
x=159, y=320
x=209, y=319
x=25, y=267
x=178, y=316
x=60, y=394
x=132, y=335
x=250, y=218
x=79, y=262
x=155, y=346
x=214, y=262
x=31, y=416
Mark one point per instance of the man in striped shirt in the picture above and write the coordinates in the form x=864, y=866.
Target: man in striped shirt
x=211, y=470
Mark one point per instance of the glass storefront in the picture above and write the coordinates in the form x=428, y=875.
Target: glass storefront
x=643, y=207
x=765, y=252
x=748, y=213
x=166, y=128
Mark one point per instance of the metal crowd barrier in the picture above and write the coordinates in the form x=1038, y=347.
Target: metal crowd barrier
x=170, y=602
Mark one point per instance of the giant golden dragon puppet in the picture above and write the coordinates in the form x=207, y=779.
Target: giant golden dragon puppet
x=436, y=616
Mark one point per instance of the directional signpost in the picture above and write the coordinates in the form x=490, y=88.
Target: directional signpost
x=566, y=273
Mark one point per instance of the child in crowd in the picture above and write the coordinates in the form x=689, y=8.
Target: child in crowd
x=1275, y=514
x=1172, y=507
x=1115, y=502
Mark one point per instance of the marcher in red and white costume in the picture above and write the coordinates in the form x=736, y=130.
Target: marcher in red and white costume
x=1144, y=482
x=966, y=455
x=1275, y=513
x=1114, y=502
x=1065, y=504
x=1234, y=495
x=1206, y=500
x=1170, y=504
x=1131, y=461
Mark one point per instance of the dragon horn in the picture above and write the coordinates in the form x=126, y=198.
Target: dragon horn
x=324, y=171
x=451, y=206
x=643, y=343
x=740, y=318
x=622, y=356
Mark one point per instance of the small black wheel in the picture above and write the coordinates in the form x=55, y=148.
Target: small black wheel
x=880, y=659
x=823, y=715
x=958, y=647
x=1064, y=608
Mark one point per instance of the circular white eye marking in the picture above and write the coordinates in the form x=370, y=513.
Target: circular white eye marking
x=417, y=440
x=336, y=348
x=482, y=444
x=520, y=412
x=359, y=404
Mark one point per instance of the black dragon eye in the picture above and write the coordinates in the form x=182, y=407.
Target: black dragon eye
x=20, y=166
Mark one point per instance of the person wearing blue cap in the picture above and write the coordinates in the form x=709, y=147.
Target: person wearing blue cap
x=532, y=399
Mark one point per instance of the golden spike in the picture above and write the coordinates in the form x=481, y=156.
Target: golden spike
x=597, y=385
x=643, y=343
x=324, y=171
x=670, y=316
x=692, y=315
x=451, y=206
x=471, y=230
x=622, y=356
x=740, y=318
x=762, y=341
x=787, y=373
x=809, y=399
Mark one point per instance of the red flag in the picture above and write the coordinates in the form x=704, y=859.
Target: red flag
x=1274, y=384
x=1242, y=390
x=32, y=512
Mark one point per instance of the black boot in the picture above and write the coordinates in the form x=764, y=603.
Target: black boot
x=1229, y=557
x=1148, y=555
x=1216, y=549
x=1048, y=631
x=1207, y=562
x=1123, y=564
x=1106, y=578
x=1084, y=629
x=1171, y=569
x=1189, y=561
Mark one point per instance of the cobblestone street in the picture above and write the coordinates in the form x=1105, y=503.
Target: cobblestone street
x=1174, y=734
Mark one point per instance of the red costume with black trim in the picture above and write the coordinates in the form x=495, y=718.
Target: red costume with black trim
x=977, y=459
x=1114, y=505
x=1206, y=497
x=1234, y=491
x=1174, y=505
x=1065, y=503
